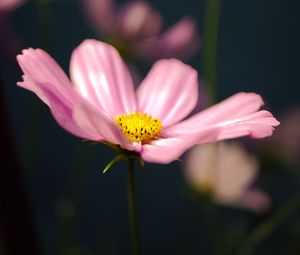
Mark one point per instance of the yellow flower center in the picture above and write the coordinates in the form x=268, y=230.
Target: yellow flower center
x=138, y=127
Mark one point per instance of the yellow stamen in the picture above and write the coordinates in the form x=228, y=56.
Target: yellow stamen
x=138, y=127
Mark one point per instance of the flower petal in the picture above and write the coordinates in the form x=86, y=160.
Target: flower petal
x=181, y=41
x=90, y=118
x=99, y=75
x=138, y=20
x=237, y=171
x=60, y=107
x=39, y=67
x=254, y=199
x=100, y=13
x=45, y=78
x=10, y=5
x=258, y=125
x=169, y=92
x=234, y=117
x=166, y=150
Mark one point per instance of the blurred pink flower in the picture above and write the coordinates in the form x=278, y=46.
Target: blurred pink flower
x=138, y=27
x=101, y=105
x=227, y=171
x=10, y=5
x=9, y=43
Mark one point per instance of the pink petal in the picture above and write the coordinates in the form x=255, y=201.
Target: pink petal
x=100, y=76
x=234, y=117
x=181, y=41
x=166, y=150
x=90, y=118
x=258, y=125
x=255, y=200
x=9, y=5
x=225, y=167
x=138, y=20
x=40, y=67
x=169, y=92
x=162, y=151
x=100, y=13
x=61, y=108
x=236, y=106
x=45, y=78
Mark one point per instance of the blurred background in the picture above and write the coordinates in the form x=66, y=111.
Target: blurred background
x=54, y=197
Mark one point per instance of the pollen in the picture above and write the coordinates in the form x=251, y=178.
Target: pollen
x=138, y=127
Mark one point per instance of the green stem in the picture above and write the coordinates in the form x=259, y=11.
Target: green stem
x=132, y=209
x=211, y=30
x=262, y=231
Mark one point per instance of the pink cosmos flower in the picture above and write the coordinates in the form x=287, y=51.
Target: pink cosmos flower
x=227, y=171
x=137, y=26
x=9, y=43
x=100, y=103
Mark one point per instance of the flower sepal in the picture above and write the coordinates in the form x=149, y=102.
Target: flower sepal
x=114, y=147
x=125, y=156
